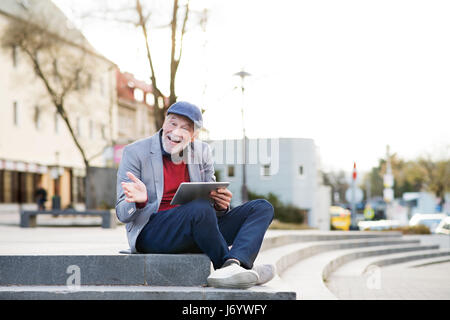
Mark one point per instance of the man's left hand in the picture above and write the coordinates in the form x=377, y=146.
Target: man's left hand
x=222, y=198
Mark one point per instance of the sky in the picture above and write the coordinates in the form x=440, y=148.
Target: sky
x=354, y=76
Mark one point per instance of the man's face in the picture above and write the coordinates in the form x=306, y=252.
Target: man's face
x=178, y=131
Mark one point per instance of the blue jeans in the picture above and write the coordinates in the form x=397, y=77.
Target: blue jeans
x=195, y=228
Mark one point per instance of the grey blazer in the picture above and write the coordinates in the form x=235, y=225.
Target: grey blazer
x=144, y=159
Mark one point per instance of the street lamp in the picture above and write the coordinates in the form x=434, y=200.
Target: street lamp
x=244, y=193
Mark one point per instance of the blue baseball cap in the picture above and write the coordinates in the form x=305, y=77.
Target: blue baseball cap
x=188, y=110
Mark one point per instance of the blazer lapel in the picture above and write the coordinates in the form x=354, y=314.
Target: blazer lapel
x=157, y=166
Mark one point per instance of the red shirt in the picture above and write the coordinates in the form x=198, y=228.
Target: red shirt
x=174, y=175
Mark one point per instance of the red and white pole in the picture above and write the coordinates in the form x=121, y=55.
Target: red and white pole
x=353, y=198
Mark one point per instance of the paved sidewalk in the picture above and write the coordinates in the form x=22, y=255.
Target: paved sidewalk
x=397, y=282
x=60, y=235
x=65, y=235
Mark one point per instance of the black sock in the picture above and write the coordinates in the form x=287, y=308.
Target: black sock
x=230, y=262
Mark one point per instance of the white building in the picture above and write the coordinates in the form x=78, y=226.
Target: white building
x=35, y=144
x=286, y=167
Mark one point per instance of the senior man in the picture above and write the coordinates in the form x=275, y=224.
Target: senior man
x=149, y=175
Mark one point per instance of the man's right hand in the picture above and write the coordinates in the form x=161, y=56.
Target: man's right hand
x=135, y=191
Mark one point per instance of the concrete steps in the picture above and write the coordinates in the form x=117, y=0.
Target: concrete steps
x=413, y=279
x=304, y=259
x=360, y=266
x=402, y=258
x=280, y=238
x=425, y=262
x=309, y=277
x=287, y=255
x=140, y=293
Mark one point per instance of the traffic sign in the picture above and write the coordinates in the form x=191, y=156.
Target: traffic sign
x=359, y=194
x=369, y=213
x=388, y=194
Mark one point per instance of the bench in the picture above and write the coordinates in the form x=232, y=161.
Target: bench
x=28, y=217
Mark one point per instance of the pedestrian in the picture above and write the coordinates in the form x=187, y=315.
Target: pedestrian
x=40, y=196
x=149, y=174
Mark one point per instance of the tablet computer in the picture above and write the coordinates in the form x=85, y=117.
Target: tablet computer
x=188, y=191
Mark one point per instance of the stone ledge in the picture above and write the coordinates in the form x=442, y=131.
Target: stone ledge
x=140, y=293
x=141, y=269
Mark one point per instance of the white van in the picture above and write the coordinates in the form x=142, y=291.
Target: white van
x=431, y=220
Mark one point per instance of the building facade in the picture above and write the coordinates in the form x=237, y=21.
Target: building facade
x=36, y=146
x=286, y=167
x=135, y=108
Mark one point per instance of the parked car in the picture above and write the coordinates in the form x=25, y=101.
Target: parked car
x=444, y=226
x=340, y=218
x=378, y=225
x=431, y=220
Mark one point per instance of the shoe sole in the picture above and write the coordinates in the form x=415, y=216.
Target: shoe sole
x=243, y=280
x=272, y=275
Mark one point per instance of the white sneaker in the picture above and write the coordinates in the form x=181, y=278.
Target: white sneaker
x=266, y=272
x=233, y=276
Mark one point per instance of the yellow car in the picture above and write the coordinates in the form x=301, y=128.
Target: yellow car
x=340, y=218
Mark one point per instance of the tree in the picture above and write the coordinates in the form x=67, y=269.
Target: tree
x=436, y=176
x=375, y=180
x=62, y=66
x=141, y=15
x=338, y=184
x=422, y=174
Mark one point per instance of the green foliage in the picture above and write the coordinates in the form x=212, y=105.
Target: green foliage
x=278, y=225
x=284, y=213
x=419, y=229
x=422, y=174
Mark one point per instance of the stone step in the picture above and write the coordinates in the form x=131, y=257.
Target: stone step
x=140, y=293
x=425, y=262
x=389, y=252
x=307, y=277
x=278, y=238
x=287, y=255
x=136, y=269
x=402, y=258
x=357, y=267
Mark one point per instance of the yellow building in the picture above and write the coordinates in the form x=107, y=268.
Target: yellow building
x=35, y=143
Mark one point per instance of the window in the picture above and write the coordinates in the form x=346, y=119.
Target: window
x=56, y=120
x=14, y=56
x=103, y=131
x=160, y=102
x=78, y=127
x=37, y=118
x=138, y=95
x=89, y=81
x=102, y=87
x=2, y=184
x=150, y=99
x=15, y=114
x=265, y=170
x=230, y=171
x=91, y=129
x=300, y=171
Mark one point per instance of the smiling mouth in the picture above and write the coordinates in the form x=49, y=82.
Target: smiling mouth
x=174, y=140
